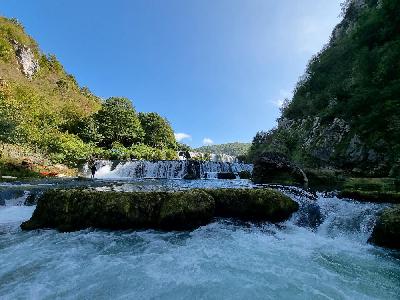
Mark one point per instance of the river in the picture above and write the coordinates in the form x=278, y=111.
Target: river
x=320, y=253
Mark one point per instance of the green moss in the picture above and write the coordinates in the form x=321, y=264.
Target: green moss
x=385, y=190
x=69, y=210
x=187, y=209
x=325, y=179
x=252, y=204
x=372, y=196
x=373, y=184
x=387, y=229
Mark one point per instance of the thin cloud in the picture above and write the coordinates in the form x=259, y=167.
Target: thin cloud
x=283, y=94
x=207, y=141
x=179, y=136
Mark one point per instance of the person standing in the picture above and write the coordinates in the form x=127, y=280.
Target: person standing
x=93, y=169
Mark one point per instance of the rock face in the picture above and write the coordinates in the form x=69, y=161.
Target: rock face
x=331, y=144
x=274, y=167
x=387, y=229
x=69, y=210
x=26, y=59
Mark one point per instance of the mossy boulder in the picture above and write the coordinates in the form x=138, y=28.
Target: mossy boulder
x=253, y=204
x=69, y=210
x=186, y=210
x=386, y=232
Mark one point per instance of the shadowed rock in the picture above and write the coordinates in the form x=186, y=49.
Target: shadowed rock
x=274, y=167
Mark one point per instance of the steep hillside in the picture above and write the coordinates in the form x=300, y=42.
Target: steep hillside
x=44, y=111
x=345, y=112
x=234, y=149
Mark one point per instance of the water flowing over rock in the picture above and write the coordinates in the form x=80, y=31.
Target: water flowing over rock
x=169, y=169
x=26, y=59
x=187, y=155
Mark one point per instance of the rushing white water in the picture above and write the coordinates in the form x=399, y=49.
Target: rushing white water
x=328, y=259
x=168, y=169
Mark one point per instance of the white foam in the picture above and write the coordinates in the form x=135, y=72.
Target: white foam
x=13, y=214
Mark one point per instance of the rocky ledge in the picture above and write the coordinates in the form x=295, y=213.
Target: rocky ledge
x=386, y=232
x=70, y=210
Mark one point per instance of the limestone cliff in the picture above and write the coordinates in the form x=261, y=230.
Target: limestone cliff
x=345, y=112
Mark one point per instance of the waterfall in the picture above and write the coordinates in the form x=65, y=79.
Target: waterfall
x=167, y=169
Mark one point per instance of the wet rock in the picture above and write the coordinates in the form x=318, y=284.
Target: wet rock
x=32, y=198
x=245, y=175
x=193, y=170
x=274, y=167
x=226, y=175
x=69, y=210
x=386, y=232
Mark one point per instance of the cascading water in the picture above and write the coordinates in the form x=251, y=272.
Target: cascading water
x=166, y=169
x=321, y=252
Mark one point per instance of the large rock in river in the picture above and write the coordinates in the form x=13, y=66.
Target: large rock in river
x=69, y=210
x=253, y=204
x=387, y=229
x=273, y=167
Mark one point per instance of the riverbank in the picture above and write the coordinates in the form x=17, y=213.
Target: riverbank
x=19, y=162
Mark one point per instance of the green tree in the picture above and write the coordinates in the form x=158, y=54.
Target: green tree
x=183, y=147
x=157, y=131
x=87, y=129
x=117, y=121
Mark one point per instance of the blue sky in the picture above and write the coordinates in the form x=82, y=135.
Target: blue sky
x=217, y=69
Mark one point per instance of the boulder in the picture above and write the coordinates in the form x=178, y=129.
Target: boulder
x=274, y=167
x=226, y=175
x=386, y=232
x=186, y=210
x=245, y=175
x=253, y=204
x=193, y=170
x=70, y=210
